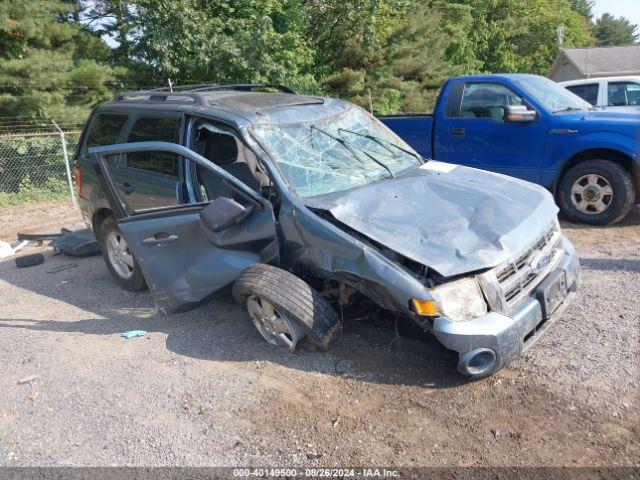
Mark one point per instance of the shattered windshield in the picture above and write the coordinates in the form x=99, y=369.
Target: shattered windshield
x=335, y=153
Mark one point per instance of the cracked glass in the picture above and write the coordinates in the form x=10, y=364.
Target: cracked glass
x=335, y=153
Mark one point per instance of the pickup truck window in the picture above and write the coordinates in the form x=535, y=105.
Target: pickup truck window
x=335, y=153
x=622, y=94
x=588, y=92
x=553, y=97
x=105, y=129
x=487, y=100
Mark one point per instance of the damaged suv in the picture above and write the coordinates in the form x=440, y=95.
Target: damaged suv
x=302, y=204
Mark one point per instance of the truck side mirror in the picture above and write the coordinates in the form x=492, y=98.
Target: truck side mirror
x=519, y=114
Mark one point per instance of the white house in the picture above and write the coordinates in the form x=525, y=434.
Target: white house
x=576, y=63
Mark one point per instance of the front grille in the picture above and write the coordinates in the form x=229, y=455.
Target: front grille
x=508, y=284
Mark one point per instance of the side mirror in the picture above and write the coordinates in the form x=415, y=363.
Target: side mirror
x=222, y=213
x=519, y=114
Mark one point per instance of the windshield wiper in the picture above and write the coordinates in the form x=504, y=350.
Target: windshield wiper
x=568, y=109
x=381, y=141
x=349, y=146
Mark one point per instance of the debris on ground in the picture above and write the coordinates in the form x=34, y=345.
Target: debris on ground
x=32, y=260
x=133, y=333
x=37, y=237
x=6, y=250
x=28, y=379
x=78, y=243
x=62, y=268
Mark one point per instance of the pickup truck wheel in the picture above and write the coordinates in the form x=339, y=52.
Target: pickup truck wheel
x=597, y=192
x=119, y=259
x=284, y=308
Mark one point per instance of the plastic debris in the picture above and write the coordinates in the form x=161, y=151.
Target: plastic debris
x=133, y=333
x=78, y=243
x=28, y=379
x=5, y=249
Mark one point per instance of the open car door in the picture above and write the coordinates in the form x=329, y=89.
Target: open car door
x=189, y=252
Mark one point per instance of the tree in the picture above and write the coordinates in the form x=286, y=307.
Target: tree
x=514, y=35
x=611, y=31
x=583, y=7
x=49, y=66
x=222, y=41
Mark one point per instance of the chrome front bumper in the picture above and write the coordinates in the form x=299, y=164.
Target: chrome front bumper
x=502, y=336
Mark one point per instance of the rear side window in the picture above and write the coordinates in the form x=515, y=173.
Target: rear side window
x=587, y=92
x=622, y=94
x=105, y=129
x=155, y=130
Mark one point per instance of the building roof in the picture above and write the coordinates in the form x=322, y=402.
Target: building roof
x=602, y=61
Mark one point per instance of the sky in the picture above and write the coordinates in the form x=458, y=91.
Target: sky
x=626, y=8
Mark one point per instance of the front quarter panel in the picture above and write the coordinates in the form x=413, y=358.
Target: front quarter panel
x=323, y=248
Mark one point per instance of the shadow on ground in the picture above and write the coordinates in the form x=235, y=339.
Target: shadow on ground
x=218, y=331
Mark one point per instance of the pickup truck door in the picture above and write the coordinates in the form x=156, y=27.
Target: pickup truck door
x=188, y=252
x=477, y=135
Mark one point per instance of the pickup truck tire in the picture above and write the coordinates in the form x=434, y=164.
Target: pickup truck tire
x=120, y=261
x=597, y=192
x=292, y=300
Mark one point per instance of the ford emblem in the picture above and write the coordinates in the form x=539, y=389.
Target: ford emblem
x=539, y=261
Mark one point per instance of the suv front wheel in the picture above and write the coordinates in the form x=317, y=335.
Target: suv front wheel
x=119, y=259
x=597, y=192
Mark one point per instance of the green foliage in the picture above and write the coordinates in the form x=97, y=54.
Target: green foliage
x=514, y=35
x=32, y=168
x=49, y=66
x=611, y=31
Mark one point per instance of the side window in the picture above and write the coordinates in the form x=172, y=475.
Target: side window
x=487, y=100
x=150, y=179
x=105, y=129
x=622, y=94
x=588, y=92
x=155, y=130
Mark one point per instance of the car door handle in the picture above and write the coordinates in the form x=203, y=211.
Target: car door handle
x=127, y=188
x=160, y=238
x=458, y=132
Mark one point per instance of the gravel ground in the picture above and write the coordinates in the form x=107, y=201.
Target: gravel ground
x=203, y=389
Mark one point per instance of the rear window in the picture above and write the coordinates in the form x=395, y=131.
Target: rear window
x=155, y=130
x=105, y=129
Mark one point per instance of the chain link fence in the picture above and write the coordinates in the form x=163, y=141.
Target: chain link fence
x=34, y=166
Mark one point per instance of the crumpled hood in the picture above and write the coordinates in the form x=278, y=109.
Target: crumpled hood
x=450, y=218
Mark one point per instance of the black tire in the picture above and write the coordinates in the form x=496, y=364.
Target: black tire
x=293, y=297
x=620, y=181
x=32, y=260
x=136, y=281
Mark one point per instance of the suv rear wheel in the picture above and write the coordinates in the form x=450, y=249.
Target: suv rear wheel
x=597, y=192
x=119, y=259
x=284, y=308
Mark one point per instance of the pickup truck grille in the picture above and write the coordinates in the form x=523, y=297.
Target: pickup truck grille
x=506, y=285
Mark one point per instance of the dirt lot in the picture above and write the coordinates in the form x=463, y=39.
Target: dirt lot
x=204, y=389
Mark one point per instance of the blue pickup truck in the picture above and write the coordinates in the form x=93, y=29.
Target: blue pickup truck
x=531, y=128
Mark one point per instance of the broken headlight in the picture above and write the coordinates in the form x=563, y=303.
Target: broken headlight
x=460, y=300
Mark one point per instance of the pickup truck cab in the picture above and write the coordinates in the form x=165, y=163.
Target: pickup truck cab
x=303, y=205
x=529, y=127
x=613, y=93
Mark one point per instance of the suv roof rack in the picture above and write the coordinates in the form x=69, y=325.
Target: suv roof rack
x=193, y=92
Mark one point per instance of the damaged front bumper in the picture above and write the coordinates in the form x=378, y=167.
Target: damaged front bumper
x=487, y=343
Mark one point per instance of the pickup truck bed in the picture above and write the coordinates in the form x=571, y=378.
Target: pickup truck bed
x=413, y=129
